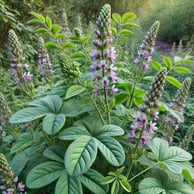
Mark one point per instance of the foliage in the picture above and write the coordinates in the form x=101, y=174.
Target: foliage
x=92, y=125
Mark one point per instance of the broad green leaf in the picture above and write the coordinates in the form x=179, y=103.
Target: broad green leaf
x=39, y=16
x=67, y=45
x=41, y=30
x=108, y=179
x=182, y=70
x=114, y=30
x=152, y=186
x=52, y=123
x=92, y=180
x=125, y=32
x=60, y=35
x=74, y=91
x=80, y=155
x=25, y=140
x=172, y=157
x=49, y=22
x=110, y=130
x=120, y=98
x=130, y=25
x=55, y=153
x=111, y=150
x=174, y=82
x=157, y=66
x=115, y=187
x=28, y=114
x=51, y=45
x=56, y=28
x=68, y=185
x=52, y=102
x=167, y=62
x=116, y=17
x=19, y=162
x=128, y=17
x=126, y=186
x=77, y=55
x=149, y=78
x=73, y=133
x=44, y=174
x=34, y=22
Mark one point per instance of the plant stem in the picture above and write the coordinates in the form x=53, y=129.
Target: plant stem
x=138, y=140
x=148, y=168
x=107, y=107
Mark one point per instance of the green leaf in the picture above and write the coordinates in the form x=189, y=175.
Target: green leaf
x=125, y=32
x=68, y=45
x=120, y=98
x=41, y=30
x=55, y=153
x=51, y=45
x=167, y=62
x=115, y=187
x=157, y=66
x=77, y=55
x=73, y=133
x=39, y=16
x=176, y=114
x=128, y=17
x=68, y=185
x=111, y=150
x=126, y=186
x=174, y=82
x=60, y=35
x=177, y=60
x=34, y=22
x=56, y=28
x=116, y=17
x=110, y=130
x=52, y=102
x=74, y=91
x=19, y=162
x=149, y=78
x=25, y=140
x=52, y=123
x=114, y=30
x=130, y=25
x=108, y=179
x=44, y=174
x=182, y=70
x=28, y=114
x=80, y=155
x=92, y=180
x=172, y=157
x=49, y=22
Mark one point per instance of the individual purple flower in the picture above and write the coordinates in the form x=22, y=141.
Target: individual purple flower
x=27, y=76
x=110, y=54
x=152, y=127
x=94, y=55
x=105, y=82
x=103, y=66
x=113, y=90
x=21, y=187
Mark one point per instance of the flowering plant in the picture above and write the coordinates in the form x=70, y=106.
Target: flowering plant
x=95, y=130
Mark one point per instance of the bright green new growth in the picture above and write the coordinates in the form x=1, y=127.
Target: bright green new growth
x=157, y=86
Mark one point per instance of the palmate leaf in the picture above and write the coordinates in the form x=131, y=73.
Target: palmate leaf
x=92, y=180
x=174, y=158
x=110, y=130
x=111, y=150
x=52, y=123
x=68, y=184
x=55, y=153
x=44, y=174
x=80, y=155
x=73, y=133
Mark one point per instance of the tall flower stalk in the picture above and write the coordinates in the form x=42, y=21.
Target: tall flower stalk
x=8, y=182
x=177, y=104
x=20, y=70
x=103, y=58
x=144, y=122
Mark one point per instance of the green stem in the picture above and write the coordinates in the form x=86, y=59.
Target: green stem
x=142, y=172
x=107, y=106
x=139, y=138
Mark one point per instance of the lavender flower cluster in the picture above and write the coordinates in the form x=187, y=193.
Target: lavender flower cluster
x=146, y=49
x=20, y=69
x=8, y=183
x=44, y=62
x=104, y=56
x=144, y=122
